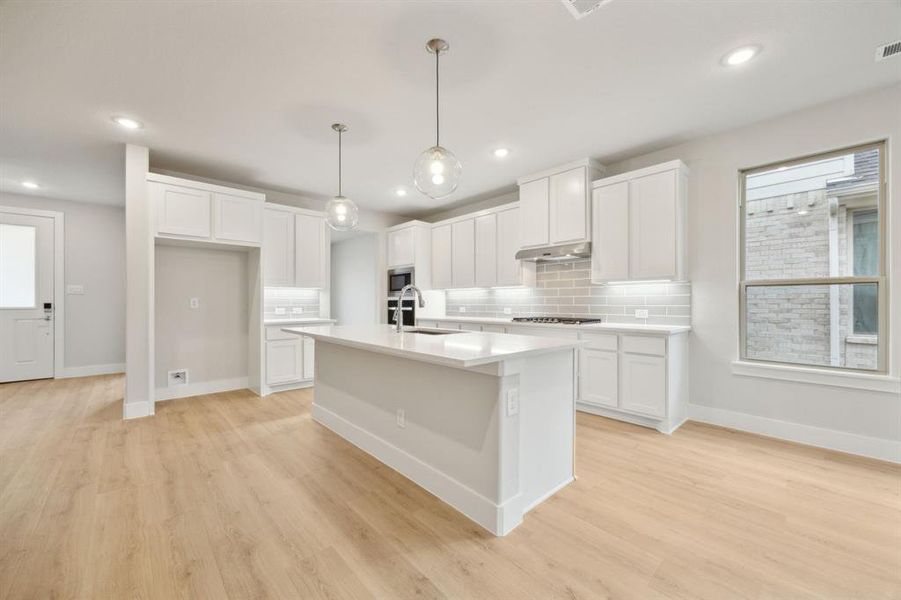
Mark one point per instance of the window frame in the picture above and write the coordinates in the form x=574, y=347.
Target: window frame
x=852, y=216
x=880, y=279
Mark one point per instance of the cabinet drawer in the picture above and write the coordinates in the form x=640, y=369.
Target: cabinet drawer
x=470, y=327
x=642, y=344
x=550, y=332
x=274, y=332
x=493, y=328
x=600, y=341
x=433, y=324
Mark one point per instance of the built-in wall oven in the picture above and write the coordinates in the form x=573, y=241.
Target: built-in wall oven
x=397, y=279
x=407, y=311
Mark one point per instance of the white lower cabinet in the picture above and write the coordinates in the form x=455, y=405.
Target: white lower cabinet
x=284, y=362
x=289, y=357
x=599, y=377
x=643, y=384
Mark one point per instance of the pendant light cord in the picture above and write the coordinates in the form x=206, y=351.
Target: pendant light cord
x=437, y=99
x=339, y=162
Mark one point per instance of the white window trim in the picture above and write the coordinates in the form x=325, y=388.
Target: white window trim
x=827, y=376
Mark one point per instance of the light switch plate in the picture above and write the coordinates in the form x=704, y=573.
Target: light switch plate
x=401, y=418
x=512, y=402
x=75, y=290
x=641, y=313
x=194, y=302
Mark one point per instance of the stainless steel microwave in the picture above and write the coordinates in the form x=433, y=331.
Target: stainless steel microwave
x=398, y=278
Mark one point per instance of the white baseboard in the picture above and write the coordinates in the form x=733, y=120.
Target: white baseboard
x=136, y=410
x=852, y=443
x=284, y=387
x=498, y=519
x=661, y=426
x=88, y=370
x=201, y=387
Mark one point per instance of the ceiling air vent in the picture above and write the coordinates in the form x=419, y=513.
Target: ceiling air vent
x=888, y=50
x=581, y=8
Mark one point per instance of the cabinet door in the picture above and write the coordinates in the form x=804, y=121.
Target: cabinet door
x=442, y=258
x=400, y=247
x=509, y=270
x=652, y=218
x=533, y=213
x=182, y=211
x=309, y=254
x=486, y=251
x=278, y=248
x=237, y=219
x=308, y=353
x=610, y=233
x=598, y=377
x=643, y=388
x=284, y=362
x=463, y=251
x=568, y=207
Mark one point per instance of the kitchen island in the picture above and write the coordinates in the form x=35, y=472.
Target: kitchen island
x=484, y=421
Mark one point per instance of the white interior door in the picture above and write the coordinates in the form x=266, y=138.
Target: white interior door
x=26, y=297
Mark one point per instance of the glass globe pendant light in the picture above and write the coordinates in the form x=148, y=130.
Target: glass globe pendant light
x=341, y=213
x=437, y=171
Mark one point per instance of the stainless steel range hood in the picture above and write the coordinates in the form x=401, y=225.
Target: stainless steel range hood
x=555, y=253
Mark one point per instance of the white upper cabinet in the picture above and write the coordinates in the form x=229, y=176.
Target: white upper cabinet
x=486, y=262
x=278, y=248
x=509, y=270
x=610, y=232
x=463, y=251
x=442, y=258
x=182, y=211
x=310, y=250
x=554, y=205
x=401, y=251
x=479, y=250
x=237, y=219
x=410, y=245
x=638, y=224
x=567, y=206
x=295, y=248
x=533, y=212
x=203, y=212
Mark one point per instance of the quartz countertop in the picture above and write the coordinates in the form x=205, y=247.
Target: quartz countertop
x=460, y=349
x=298, y=321
x=613, y=327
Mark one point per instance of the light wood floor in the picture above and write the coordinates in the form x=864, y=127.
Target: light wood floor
x=233, y=496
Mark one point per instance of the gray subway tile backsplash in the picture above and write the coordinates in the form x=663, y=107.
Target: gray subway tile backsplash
x=564, y=289
x=306, y=299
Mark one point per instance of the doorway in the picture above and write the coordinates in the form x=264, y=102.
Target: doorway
x=30, y=278
x=354, y=293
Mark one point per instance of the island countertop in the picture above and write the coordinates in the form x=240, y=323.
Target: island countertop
x=461, y=349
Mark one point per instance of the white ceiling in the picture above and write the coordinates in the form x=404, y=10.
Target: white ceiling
x=247, y=91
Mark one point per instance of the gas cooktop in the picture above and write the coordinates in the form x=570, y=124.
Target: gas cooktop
x=557, y=320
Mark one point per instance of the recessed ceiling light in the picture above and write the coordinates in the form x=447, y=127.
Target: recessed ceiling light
x=30, y=185
x=740, y=56
x=128, y=123
x=501, y=152
x=400, y=192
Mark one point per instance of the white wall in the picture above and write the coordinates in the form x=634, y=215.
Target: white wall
x=211, y=341
x=94, y=258
x=354, y=283
x=713, y=204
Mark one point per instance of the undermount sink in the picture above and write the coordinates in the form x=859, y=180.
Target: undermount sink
x=431, y=331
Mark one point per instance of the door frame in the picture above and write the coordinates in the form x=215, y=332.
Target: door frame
x=59, y=280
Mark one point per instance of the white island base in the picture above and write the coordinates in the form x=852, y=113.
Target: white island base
x=493, y=440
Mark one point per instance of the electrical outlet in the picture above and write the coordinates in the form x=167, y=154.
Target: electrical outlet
x=178, y=377
x=462, y=309
x=641, y=313
x=281, y=310
x=512, y=402
x=194, y=302
x=75, y=290
x=508, y=310
x=401, y=419
x=297, y=310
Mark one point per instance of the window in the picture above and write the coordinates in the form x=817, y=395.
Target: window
x=17, y=266
x=813, y=279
